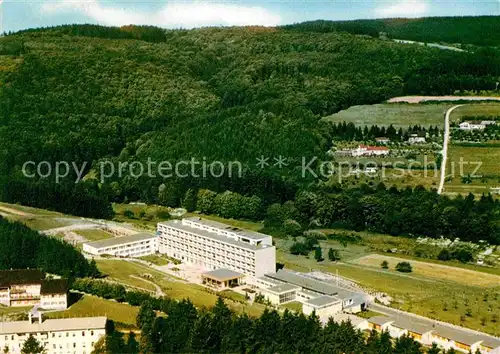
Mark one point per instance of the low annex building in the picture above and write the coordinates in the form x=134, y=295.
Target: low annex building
x=222, y=278
x=29, y=287
x=135, y=245
x=322, y=297
x=446, y=337
x=67, y=335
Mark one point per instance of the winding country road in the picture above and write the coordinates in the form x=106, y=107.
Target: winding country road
x=419, y=99
x=445, y=147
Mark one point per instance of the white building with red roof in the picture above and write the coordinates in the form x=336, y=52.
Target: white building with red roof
x=366, y=150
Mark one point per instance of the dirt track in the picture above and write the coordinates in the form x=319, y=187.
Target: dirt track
x=14, y=211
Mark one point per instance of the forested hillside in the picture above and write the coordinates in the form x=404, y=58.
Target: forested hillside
x=89, y=93
x=21, y=247
x=478, y=30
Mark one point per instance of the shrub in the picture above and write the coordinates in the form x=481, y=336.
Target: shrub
x=384, y=265
x=292, y=227
x=333, y=255
x=163, y=214
x=129, y=214
x=318, y=235
x=404, y=267
x=299, y=248
x=444, y=255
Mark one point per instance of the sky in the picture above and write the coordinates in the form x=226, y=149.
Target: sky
x=22, y=14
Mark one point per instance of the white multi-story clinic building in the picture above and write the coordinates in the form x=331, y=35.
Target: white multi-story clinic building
x=58, y=336
x=136, y=245
x=214, y=245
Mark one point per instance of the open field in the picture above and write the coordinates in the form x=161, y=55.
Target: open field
x=94, y=234
x=398, y=114
x=12, y=313
x=90, y=305
x=391, y=177
x=481, y=109
x=42, y=223
x=23, y=210
x=463, y=161
x=433, y=270
x=488, y=157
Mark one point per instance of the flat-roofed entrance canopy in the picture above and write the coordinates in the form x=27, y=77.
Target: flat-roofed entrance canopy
x=223, y=274
x=222, y=278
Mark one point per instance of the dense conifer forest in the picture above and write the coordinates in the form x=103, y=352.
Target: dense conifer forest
x=480, y=30
x=89, y=94
x=21, y=248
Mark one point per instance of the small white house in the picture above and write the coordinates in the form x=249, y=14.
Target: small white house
x=472, y=125
x=417, y=139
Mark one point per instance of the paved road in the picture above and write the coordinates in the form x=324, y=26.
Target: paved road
x=445, y=146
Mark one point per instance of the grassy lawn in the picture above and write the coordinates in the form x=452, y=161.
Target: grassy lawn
x=293, y=306
x=485, y=157
x=94, y=234
x=398, y=114
x=369, y=314
x=94, y=306
x=6, y=312
x=177, y=289
x=29, y=210
x=433, y=270
x=471, y=155
x=233, y=295
x=392, y=177
x=121, y=272
x=480, y=109
x=41, y=223
x=155, y=259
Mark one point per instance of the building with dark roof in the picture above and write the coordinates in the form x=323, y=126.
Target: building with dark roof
x=28, y=287
x=20, y=276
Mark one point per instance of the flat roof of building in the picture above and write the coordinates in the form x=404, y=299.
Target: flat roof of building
x=115, y=241
x=322, y=301
x=21, y=276
x=242, y=232
x=282, y=288
x=51, y=325
x=489, y=341
x=223, y=274
x=310, y=283
x=457, y=335
x=212, y=235
x=380, y=320
x=411, y=324
x=270, y=280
